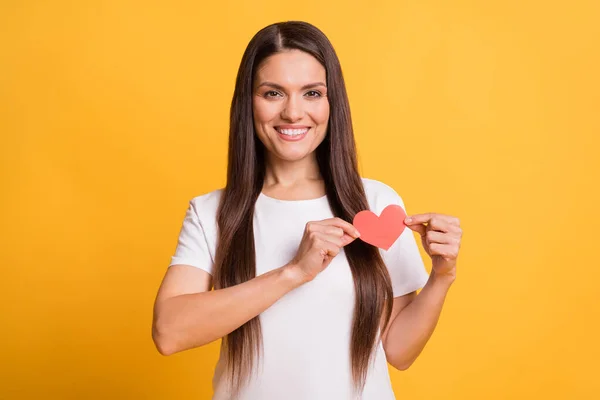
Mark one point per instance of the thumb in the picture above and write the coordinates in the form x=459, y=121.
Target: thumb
x=417, y=227
x=326, y=259
x=347, y=239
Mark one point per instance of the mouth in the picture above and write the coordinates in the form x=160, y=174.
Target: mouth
x=292, y=134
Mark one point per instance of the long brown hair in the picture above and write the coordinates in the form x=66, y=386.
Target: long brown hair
x=336, y=157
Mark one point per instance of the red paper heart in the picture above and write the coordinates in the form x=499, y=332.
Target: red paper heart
x=381, y=231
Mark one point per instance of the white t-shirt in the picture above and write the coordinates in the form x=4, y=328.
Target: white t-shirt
x=306, y=333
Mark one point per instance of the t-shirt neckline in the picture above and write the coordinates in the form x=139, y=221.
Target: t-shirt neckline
x=303, y=201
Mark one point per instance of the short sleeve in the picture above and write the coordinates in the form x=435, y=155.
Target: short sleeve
x=192, y=245
x=403, y=260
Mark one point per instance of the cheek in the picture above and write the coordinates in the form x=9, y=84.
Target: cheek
x=320, y=113
x=264, y=111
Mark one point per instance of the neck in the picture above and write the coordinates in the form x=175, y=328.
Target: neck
x=291, y=173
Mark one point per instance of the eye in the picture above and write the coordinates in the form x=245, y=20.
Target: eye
x=313, y=93
x=271, y=93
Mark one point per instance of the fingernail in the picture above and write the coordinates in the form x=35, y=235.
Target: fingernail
x=357, y=233
x=408, y=220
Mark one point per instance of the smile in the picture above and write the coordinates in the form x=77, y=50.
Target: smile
x=292, y=134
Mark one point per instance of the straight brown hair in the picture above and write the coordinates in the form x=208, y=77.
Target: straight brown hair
x=337, y=160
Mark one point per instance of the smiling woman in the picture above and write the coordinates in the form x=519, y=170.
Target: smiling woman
x=304, y=309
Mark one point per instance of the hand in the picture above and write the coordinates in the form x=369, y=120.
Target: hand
x=441, y=236
x=321, y=242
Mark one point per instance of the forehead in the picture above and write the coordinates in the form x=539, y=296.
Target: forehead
x=290, y=68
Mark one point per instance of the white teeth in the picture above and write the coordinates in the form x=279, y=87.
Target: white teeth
x=292, y=132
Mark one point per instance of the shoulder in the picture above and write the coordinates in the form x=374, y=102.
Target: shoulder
x=205, y=206
x=208, y=200
x=379, y=194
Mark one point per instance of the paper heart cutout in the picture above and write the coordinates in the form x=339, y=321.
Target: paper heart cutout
x=381, y=231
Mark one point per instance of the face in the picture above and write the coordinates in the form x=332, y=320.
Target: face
x=290, y=104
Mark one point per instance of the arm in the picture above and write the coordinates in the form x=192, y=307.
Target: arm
x=414, y=320
x=414, y=324
x=188, y=315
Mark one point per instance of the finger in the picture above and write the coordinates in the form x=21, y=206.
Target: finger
x=448, y=251
x=319, y=237
x=418, y=219
x=339, y=241
x=336, y=240
x=439, y=224
x=455, y=230
x=434, y=221
x=326, y=247
x=347, y=239
x=346, y=226
x=419, y=228
x=333, y=230
x=454, y=221
x=426, y=217
x=315, y=226
x=440, y=237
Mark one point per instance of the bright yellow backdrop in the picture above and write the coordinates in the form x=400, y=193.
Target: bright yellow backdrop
x=114, y=114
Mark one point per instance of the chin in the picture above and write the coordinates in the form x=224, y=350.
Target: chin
x=292, y=156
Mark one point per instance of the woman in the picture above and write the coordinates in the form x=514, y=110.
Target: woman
x=299, y=302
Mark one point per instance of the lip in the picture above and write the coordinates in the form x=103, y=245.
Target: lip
x=292, y=138
x=291, y=126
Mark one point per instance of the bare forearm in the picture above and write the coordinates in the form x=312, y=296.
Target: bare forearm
x=414, y=325
x=193, y=320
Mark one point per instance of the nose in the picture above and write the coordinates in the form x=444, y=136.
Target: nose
x=292, y=110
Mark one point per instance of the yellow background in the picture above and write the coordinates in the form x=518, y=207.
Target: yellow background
x=114, y=114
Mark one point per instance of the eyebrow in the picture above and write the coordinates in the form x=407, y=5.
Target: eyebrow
x=279, y=87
